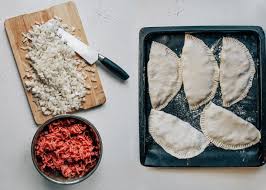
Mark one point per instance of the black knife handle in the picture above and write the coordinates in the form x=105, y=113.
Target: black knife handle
x=114, y=68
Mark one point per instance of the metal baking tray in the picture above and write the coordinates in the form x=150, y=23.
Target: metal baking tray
x=252, y=108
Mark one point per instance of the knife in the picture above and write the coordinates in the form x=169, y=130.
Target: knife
x=90, y=54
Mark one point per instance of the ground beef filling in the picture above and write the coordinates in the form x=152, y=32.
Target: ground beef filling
x=68, y=148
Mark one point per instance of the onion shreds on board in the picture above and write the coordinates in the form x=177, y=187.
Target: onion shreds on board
x=67, y=148
x=54, y=81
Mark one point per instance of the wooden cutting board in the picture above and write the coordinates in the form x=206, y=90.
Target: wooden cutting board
x=69, y=13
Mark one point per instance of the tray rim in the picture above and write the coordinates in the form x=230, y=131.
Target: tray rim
x=145, y=31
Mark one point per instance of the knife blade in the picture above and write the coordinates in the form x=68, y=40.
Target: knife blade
x=86, y=52
x=90, y=54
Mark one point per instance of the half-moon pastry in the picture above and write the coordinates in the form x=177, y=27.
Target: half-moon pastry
x=200, y=72
x=164, y=75
x=226, y=130
x=176, y=136
x=237, y=70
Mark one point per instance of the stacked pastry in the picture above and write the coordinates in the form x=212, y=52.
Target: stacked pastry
x=198, y=71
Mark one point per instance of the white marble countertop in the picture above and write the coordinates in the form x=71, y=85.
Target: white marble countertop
x=112, y=26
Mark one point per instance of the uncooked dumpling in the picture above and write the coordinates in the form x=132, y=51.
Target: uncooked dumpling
x=164, y=75
x=226, y=130
x=237, y=70
x=200, y=72
x=175, y=136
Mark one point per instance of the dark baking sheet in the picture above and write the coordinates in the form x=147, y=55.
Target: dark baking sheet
x=251, y=108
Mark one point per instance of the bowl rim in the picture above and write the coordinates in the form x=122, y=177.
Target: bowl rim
x=39, y=130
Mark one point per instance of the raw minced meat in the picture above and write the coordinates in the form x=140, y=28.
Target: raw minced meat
x=68, y=148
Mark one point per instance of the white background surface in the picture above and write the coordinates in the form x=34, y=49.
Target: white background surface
x=112, y=26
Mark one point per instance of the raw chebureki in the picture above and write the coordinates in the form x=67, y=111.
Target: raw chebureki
x=164, y=75
x=176, y=136
x=226, y=130
x=200, y=72
x=237, y=70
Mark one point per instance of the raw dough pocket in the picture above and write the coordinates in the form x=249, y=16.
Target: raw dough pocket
x=176, y=136
x=200, y=72
x=226, y=130
x=237, y=71
x=164, y=75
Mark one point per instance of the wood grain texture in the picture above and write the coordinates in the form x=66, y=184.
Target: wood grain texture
x=69, y=13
